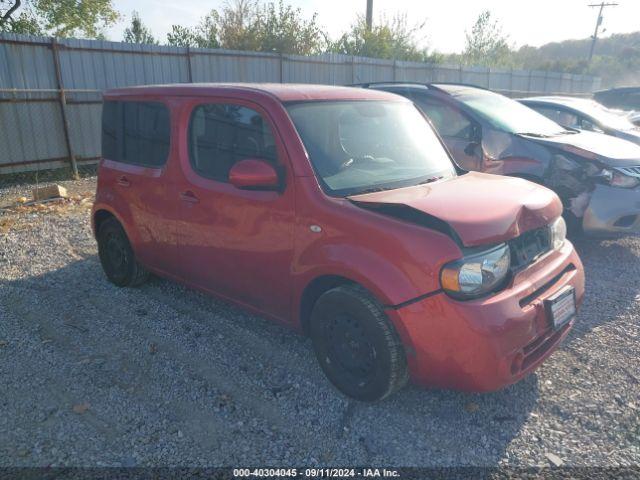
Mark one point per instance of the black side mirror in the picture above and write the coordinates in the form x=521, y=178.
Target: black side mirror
x=470, y=149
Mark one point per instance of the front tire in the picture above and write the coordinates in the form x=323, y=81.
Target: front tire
x=356, y=345
x=116, y=256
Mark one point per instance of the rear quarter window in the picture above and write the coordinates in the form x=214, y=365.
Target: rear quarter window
x=137, y=133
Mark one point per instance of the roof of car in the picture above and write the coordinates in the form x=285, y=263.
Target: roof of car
x=450, y=88
x=285, y=92
x=560, y=100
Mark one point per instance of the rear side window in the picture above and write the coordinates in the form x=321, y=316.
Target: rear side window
x=449, y=121
x=136, y=132
x=560, y=116
x=221, y=135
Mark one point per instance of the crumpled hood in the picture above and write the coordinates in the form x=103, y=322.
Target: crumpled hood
x=630, y=135
x=481, y=208
x=611, y=151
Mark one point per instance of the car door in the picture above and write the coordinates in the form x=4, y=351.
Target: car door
x=136, y=174
x=236, y=243
x=460, y=133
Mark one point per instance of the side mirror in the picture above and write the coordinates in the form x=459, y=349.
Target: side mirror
x=472, y=148
x=254, y=174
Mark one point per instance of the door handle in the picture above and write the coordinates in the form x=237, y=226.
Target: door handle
x=123, y=181
x=189, y=197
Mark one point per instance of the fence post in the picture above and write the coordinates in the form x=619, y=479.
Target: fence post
x=353, y=69
x=511, y=81
x=189, y=71
x=529, y=83
x=281, y=59
x=395, y=74
x=63, y=106
x=460, y=73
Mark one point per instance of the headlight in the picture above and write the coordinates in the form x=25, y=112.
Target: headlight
x=624, y=181
x=558, y=233
x=617, y=179
x=476, y=274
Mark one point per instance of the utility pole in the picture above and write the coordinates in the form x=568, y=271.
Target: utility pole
x=369, y=14
x=594, y=38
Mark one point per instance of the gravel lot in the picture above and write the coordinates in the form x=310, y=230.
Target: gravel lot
x=93, y=375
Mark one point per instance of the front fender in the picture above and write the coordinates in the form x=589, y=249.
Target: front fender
x=390, y=284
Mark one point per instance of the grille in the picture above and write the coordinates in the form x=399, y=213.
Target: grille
x=629, y=171
x=526, y=248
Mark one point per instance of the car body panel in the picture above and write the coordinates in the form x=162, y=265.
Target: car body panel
x=474, y=345
x=499, y=210
x=613, y=211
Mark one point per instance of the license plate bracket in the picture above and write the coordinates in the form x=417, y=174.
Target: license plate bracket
x=561, y=306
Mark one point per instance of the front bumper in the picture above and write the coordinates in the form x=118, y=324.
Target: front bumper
x=486, y=344
x=612, y=210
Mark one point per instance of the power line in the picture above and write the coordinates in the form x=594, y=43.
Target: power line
x=594, y=38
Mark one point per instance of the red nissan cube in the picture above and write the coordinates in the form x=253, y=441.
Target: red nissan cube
x=338, y=212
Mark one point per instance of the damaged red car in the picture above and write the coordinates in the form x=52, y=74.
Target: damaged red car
x=337, y=211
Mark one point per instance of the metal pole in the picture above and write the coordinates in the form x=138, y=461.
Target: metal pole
x=369, y=14
x=63, y=107
x=594, y=38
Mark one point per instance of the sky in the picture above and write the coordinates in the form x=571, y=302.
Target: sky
x=526, y=22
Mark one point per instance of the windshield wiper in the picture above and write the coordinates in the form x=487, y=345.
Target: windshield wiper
x=430, y=180
x=532, y=134
x=371, y=190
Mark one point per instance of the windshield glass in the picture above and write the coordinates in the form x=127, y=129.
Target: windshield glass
x=508, y=115
x=607, y=117
x=360, y=146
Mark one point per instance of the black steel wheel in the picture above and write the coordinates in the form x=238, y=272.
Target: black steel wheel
x=356, y=345
x=116, y=256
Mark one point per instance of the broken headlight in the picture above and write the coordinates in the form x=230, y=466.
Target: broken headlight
x=618, y=179
x=558, y=233
x=477, y=274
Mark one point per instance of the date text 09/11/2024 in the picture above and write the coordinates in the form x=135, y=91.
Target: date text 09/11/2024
x=317, y=472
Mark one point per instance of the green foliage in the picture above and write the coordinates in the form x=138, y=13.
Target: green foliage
x=25, y=23
x=62, y=18
x=486, y=44
x=205, y=35
x=388, y=38
x=246, y=25
x=70, y=18
x=281, y=28
x=138, y=32
x=616, y=59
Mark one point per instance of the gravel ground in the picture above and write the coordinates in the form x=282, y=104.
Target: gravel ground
x=93, y=375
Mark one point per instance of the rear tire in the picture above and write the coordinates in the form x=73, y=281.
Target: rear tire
x=356, y=345
x=116, y=256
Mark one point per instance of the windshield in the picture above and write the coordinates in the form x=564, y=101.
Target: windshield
x=603, y=115
x=510, y=116
x=361, y=146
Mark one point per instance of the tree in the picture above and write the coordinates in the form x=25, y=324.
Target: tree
x=7, y=9
x=388, y=38
x=60, y=18
x=283, y=29
x=486, y=44
x=138, y=32
x=205, y=35
x=246, y=25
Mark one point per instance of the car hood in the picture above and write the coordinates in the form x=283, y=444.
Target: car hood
x=480, y=208
x=630, y=135
x=611, y=151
